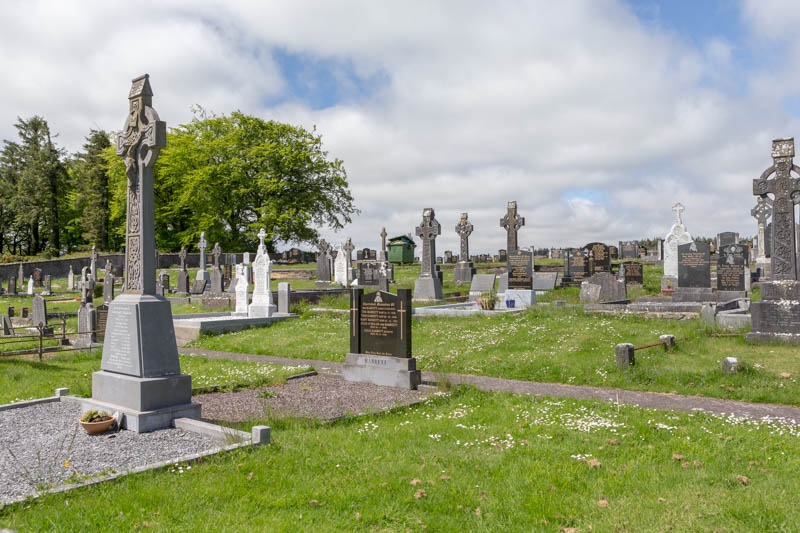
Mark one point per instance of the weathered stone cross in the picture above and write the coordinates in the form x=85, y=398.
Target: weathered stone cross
x=202, y=247
x=182, y=256
x=428, y=230
x=383, y=239
x=348, y=247
x=464, y=230
x=784, y=188
x=261, y=236
x=679, y=209
x=145, y=135
x=512, y=222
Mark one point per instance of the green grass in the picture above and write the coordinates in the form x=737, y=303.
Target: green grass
x=471, y=461
x=553, y=345
x=25, y=378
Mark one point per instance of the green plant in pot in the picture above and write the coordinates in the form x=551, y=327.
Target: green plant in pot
x=488, y=301
x=96, y=422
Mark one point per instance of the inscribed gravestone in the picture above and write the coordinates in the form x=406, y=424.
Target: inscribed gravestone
x=633, y=272
x=481, y=284
x=731, y=271
x=694, y=265
x=101, y=322
x=140, y=351
x=48, y=284
x=39, y=311
x=323, y=262
x=726, y=238
x=520, y=270
x=629, y=249
x=676, y=236
x=37, y=277
x=341, y=267
x=12, y=286
x=368, y=274
x=602, y=255
x=242, y=290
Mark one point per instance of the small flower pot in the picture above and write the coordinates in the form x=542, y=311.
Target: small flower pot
x=667, y=292
x=96, y=428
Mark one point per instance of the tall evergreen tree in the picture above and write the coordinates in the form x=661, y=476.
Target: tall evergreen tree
x=91, y=192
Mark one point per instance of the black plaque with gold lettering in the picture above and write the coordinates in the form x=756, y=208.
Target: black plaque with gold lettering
x=694, y=265
x=520, y=270
x=633, y=272
x=380, y=323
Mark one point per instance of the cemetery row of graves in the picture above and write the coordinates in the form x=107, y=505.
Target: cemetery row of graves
x=328, y=397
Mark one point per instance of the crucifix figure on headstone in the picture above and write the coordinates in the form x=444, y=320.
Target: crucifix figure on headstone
x=785, y=189
x=182, y=257
x=512, y=222
x=762, y=212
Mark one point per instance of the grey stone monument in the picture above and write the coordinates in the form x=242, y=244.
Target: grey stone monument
x=108, y=288
x=202, y=274
x=93, y=263
x=48, y=285
x=323, y=264
x=39, y=311
x=382, y=254
x=429, y=284
x=242, y=291
x=348, y=251
x=216, y=271
x=71, y=279
x=140, y=372
x=762, y=212
x=183, y=275
x=777, y=316
x=20, y=277
x=87, y=324
x=284, y=291
x=464, y=269
x=511, y=222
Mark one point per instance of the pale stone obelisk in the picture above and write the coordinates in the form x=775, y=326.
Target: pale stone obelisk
x=140, y=372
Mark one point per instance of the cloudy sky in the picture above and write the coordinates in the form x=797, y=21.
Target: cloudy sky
x=596, y=116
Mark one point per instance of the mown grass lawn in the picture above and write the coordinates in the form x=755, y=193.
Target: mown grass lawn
x=25, y=378
x=554, y=345
x=469, y=461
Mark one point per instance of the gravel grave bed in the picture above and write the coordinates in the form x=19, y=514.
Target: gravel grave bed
x=323, y=397
x=36, y=441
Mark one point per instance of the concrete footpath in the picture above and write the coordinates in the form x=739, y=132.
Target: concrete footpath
x=656, y=400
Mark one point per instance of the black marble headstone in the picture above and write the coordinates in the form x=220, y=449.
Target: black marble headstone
x=629, y=249
x=694, y=265
x=731, y=268
x=633, y=272
x=602, y=255
x=368, y=274
x=380, y=323
x=520, y=270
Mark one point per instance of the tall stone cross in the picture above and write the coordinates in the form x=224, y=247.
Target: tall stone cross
x=512, y=222
x=383, y=239
x=428, y=230
x=348, y=248
x=679, y=209
x=144, y=136
x=93, y=262
x=762, y=212
x=216, y=252
x=464, y=230
x=202, y=245
x=182, y=255
x=783, y=187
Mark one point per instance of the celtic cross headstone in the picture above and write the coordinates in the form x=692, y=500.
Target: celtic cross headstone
x=140, y=371
x=512, y=223
x=464, y=269
x=429, y=284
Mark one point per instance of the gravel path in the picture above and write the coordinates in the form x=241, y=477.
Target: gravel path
x=33, y=454
x=324, y=396
x=656, y=400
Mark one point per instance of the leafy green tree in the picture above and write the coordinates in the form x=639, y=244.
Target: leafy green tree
x=33, y=179
x=232, y=175
x=91, y=194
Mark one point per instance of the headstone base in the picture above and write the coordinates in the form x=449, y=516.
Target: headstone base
x=523, y=299
x=776, y=318
x=502, y=283
x=322, y=284
x=727, y=296
x=203, y=275
x=463, y=272
x=426, y=289
x=261, y=311
x=146, y=421
x=382, y=370
x=669, y=283
x=691, y=294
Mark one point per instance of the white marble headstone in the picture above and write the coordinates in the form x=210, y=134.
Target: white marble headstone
x=30, y=286
x=676, y=236
x=340, y=267
x=242, y=288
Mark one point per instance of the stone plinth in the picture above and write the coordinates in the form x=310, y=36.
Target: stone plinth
x=692, y=294
x=428, y=288
x=463, y=272
x=777, y=316
x=523, y=299
x=382, y=370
